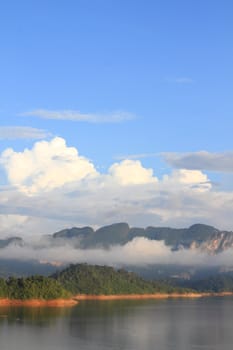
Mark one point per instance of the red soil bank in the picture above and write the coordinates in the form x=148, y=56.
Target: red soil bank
x=39, y=302
x=149, y=296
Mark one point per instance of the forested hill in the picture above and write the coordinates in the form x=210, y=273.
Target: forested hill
x=96, y=280
x=102, y=280
x=34, y=287
x=213, y=284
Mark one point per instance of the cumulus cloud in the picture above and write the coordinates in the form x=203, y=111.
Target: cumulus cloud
x=52, y=164
x=183, y=177
x=130, y=172
x=53, y=187
x=47, y=166
x=113, y=117
x=22, y=132
x=219, y=162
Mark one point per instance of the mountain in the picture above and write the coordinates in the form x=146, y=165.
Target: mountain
x=96, y=280
x=217, y=283
x=204, y=237
x=199, y=237
x=33, y=287
x=18, y=268
x=75, y=232
x=86, y=237
x=17, y=241
x=103, y=280
x=216, y=243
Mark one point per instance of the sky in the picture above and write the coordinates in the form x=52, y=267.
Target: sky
x=115, y=111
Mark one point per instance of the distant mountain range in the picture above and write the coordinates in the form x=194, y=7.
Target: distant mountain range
x=205, y=237
x=11, y=241
x=200, y=237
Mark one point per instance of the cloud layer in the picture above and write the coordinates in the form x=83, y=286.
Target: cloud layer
x=52, y=186
x=219, y=162
x=47, y=166
x=114, y=117
x=22, y=132
x=140, y=251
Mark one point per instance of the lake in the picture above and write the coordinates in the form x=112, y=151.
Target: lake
x=179, y=324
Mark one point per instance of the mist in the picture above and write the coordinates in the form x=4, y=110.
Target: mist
x=140, y=251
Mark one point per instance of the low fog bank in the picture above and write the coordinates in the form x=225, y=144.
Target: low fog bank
x=140, y=251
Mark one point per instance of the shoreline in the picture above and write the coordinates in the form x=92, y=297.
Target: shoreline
x=81, y=297
x=38, y=302
x=5, y=302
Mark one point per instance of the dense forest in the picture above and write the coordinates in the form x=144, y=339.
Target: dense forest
x=212, y=284
x=94, y=279
x=35, y=287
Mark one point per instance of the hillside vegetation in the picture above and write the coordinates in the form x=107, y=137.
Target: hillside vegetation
x=102, y=280
x=35, y=287
x=216, y=284
x=96, y=280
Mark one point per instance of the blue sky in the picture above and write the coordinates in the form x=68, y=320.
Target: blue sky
x=164, y=67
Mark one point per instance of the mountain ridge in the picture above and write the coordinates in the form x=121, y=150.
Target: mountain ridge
x=198, y=236
x=205, y=237
x=34, y=256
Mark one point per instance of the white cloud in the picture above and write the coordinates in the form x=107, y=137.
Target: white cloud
x=29, y=226
x=47, y=166
x=113, y=117
x=219, y=162
x=10, y=224
x=190, y=178
x=140, y=251
x=131, y=172
x=55, y=187
x=22, y=132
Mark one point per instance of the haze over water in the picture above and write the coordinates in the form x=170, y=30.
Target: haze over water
x=121, y=325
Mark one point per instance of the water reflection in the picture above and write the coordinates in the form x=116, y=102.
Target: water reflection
x=121, y=325
x=39, y=316
x=171, y=324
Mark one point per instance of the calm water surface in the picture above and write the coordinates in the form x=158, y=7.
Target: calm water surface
x=121, y=325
